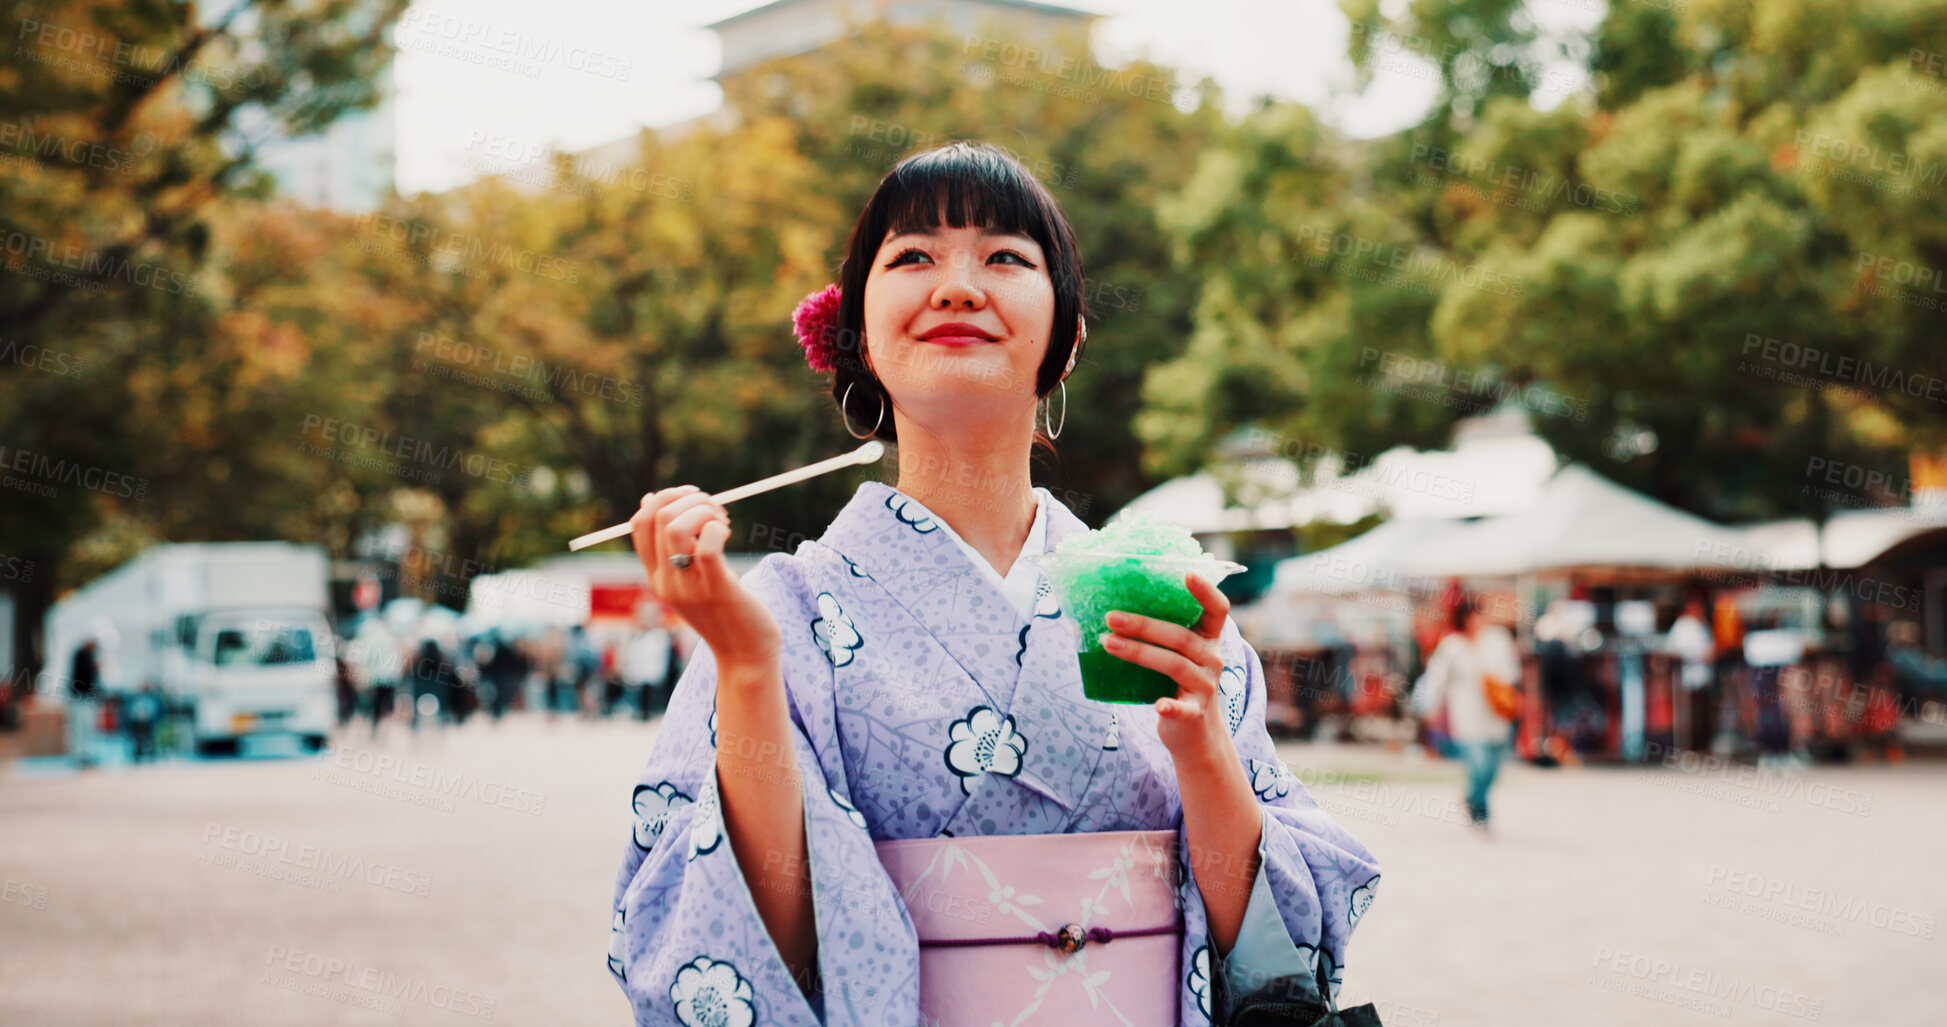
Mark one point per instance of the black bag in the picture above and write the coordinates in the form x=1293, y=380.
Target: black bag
x=1283, y=1003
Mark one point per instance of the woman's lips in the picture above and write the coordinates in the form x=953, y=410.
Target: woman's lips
x=957, y=340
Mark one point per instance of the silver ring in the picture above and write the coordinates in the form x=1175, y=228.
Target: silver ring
x=679, y=561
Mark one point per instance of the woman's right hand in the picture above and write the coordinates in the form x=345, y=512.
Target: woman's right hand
x=741, y=630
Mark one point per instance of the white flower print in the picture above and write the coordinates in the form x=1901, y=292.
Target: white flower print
x=1114, y=741
x=616, y=953
x=706, y=831
x=1045, y=604
x=1267, y=780
x=851, y=812
x=711, y=993
x=834, y=632
x=1231, y=687
x=984, y=742
x=1361, y=901
x=654, y=805
x=1199, y=979
x=919, y=521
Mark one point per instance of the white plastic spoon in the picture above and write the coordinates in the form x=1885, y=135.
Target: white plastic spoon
x=868, y=453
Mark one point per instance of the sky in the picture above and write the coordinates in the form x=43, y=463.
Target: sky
x=649, y=64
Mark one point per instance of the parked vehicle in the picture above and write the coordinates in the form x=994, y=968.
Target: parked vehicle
x=234, y=634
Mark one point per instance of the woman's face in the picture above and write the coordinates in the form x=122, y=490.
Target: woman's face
x=958, y=318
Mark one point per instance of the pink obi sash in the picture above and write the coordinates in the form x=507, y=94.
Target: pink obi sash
x=1043, y=928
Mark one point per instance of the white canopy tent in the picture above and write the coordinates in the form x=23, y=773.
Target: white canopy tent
x=1851, y=538
x=1582, y=519
x=1496, y=466
x=1577, y=519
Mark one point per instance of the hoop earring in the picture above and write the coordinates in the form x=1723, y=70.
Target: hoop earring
x=1054, y=431
x=844, y=413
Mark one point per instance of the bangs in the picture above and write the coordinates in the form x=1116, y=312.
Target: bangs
x=964, y=188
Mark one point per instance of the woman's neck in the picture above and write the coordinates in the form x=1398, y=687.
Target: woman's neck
x=983, y=493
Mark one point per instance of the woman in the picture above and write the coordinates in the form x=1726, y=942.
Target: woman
x=904, y=686
x=1456, y=678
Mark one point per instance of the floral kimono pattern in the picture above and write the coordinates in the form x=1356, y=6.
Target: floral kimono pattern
x=926, y=705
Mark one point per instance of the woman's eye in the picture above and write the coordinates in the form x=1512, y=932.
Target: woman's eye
x=903, y=254
x=1025, y=262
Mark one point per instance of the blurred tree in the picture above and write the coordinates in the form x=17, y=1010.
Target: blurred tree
x=1697, y=274
x=124, y=124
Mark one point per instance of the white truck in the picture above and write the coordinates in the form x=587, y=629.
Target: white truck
x=234, y=634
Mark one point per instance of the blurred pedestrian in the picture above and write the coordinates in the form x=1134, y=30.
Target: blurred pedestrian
x=379, y=662
x=1477, y=656
x=346, y=688
x=1690, y=641
x=584, y=668
x=645, y=666
x=84, y=703
x=431, y=678
x=144, y=710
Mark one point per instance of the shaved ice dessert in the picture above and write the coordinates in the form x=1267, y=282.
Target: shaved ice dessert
x=1135, y=564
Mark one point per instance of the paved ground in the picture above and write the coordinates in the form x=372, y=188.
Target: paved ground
x=472, y=875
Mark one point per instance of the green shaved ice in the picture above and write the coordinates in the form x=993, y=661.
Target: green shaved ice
x=1136, y=564
x=1138, y=533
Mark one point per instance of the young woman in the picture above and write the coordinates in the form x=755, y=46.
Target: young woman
x=879, y=795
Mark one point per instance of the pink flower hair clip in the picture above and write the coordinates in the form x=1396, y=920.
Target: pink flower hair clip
x=816, y=323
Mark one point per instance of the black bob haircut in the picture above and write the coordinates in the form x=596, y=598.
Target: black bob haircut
x=971, y=184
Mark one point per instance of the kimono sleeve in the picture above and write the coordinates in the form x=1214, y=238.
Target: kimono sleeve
x=686, y=943
x=1313, y=881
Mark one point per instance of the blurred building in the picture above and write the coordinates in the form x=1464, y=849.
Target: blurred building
x=786, y=28
x=350, y=167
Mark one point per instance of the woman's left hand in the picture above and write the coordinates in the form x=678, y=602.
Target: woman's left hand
x=1191, y=726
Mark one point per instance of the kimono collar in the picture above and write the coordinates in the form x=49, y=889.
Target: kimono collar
x=893, y=536
x=887, y=535
x=883, y=535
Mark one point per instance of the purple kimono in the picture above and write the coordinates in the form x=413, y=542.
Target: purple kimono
x=927, y=705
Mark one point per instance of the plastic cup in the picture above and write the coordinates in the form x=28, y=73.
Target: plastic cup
x=1090, y=585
